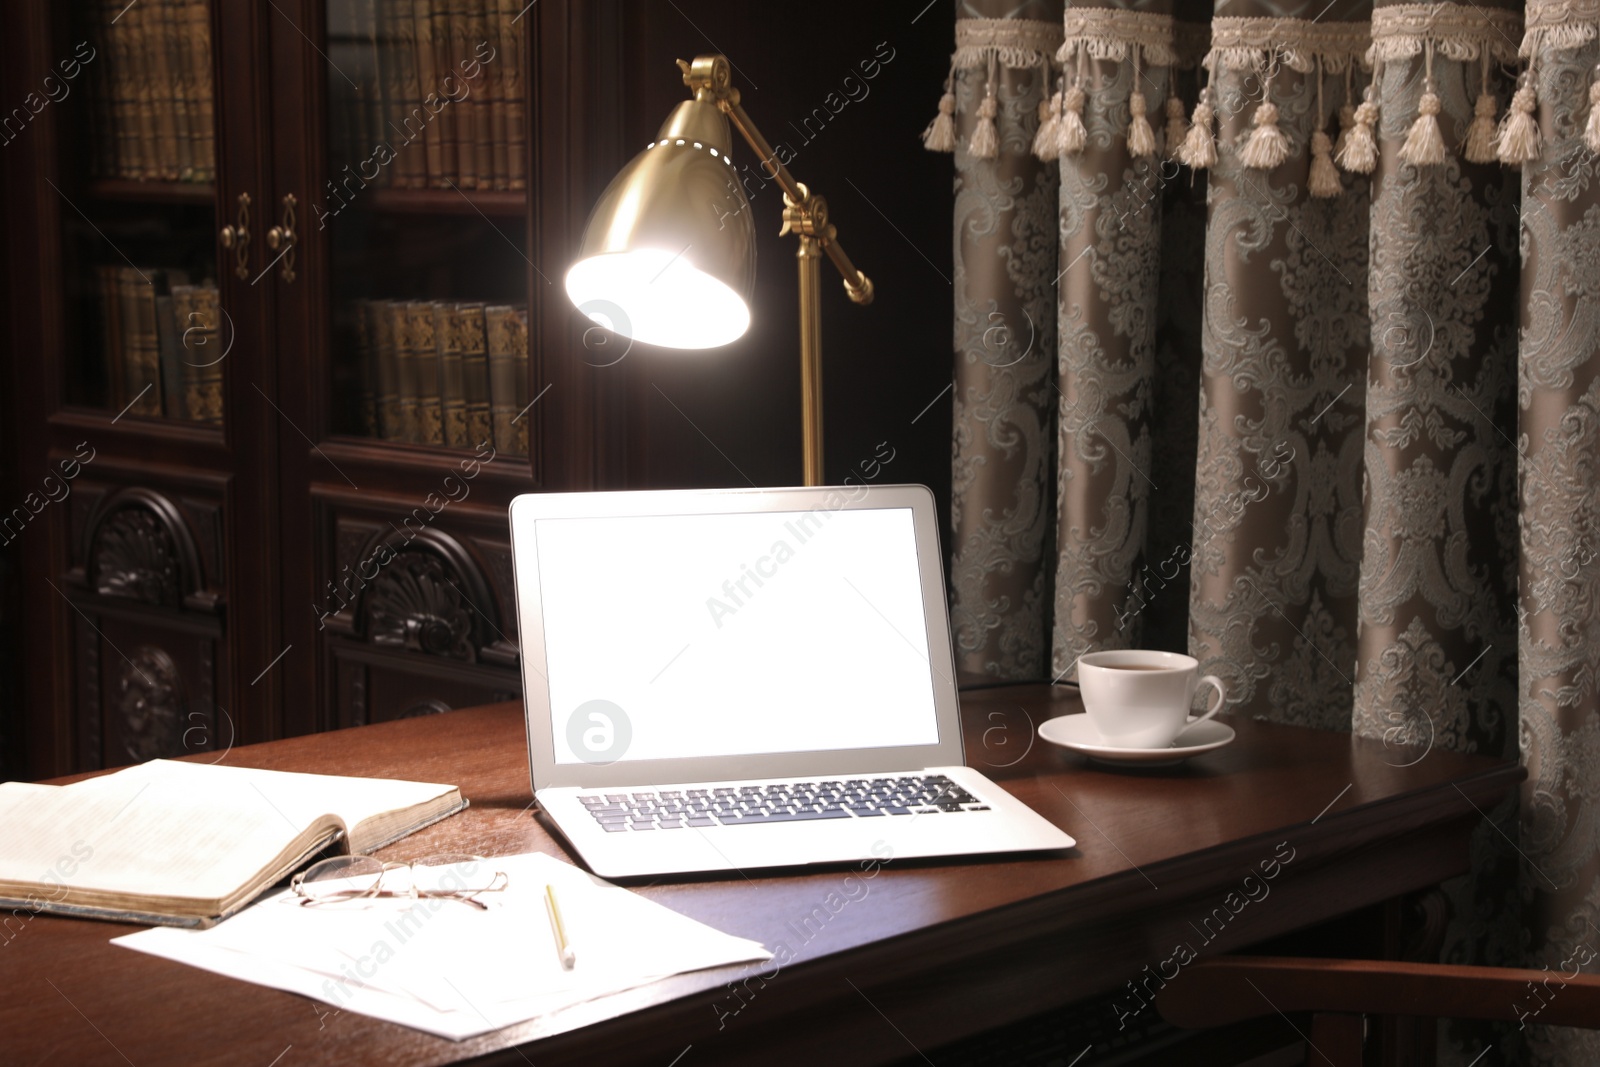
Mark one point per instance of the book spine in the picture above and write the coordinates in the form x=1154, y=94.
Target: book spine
x=391, y=425
x=119, y=83
x=508, y=346
x=425, y=58
x=205, y=104
x=144, y=89
x=475, y=105
x=163, y=83
x=141, y=354
x=372, y=87
x=475, y=374
x=448, y=119
x=519, y=384
x=447, y=324
x=466, y=127
x=412, y=121
x=169, y=346
x=515, y=57
x=206, y=404
x=425, y=356
x=175, y=29
x=492, y=84
x=405, y=360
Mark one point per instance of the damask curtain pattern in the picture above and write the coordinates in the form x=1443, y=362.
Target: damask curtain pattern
x=1378, y=368
x=1277, y=542
x=1004, y=260
x=1558, y=442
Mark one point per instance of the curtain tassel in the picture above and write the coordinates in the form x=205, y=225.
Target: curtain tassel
x=985, y=142
x=1360, y=153
x=1347, y=121
x=940, y=136
x=1199, y=149
x=1047, y=142
x=1141, y=138
x=1324, y=181
x=1480, y=135
x=1519, y=135
x=1073, y=134
x=1425, y=143
x=1267, y=146
x=1479, y=146
x=1177, y=126
x=1591, y=129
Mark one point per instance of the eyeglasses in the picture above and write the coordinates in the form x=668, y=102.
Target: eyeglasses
x=342, y=879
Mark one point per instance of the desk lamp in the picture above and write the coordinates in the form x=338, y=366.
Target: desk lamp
x=668, y=256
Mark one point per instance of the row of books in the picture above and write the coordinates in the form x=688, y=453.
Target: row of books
x=161, y=345
x=153, y=107
x=428, y=93
x=441, y=373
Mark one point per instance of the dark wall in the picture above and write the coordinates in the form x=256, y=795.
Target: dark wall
x=884, y=364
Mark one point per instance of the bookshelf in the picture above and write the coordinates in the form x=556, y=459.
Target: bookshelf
x=303, y=379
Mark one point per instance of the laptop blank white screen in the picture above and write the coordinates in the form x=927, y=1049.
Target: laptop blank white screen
x=738, y=634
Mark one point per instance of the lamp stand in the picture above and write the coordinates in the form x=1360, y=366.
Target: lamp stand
x=806, y=216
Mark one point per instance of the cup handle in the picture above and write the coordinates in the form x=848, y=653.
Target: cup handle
x=1222, y=696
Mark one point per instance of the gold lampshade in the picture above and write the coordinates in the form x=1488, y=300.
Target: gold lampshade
x=669, y=255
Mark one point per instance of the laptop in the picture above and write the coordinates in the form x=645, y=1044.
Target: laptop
x=736, y=679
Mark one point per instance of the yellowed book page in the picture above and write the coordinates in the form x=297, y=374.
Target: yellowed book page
x=139, y=836
x=298, y=799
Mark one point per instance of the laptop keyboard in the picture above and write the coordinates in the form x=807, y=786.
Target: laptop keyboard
x=749, y=805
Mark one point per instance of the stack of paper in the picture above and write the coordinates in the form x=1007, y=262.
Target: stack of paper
x=448, y=968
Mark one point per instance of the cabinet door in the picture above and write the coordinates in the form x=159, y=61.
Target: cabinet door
x=403, y=140
x=145, y=421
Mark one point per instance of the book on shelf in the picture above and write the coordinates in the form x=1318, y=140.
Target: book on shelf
x=176, y=843
x=385, y=361
x=475, y=374
x=508, y=376
x=423, y=88
x=160, y=350
x=443, y=373
x=452, y=378
x=201, y=348
x=153, y=108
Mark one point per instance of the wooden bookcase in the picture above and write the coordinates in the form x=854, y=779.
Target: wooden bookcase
x=173, y=599
x=254, y=527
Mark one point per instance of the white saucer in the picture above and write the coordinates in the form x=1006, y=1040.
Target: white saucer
x=1078, y=733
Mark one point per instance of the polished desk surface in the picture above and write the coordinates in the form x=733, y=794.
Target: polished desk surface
x=920, y=954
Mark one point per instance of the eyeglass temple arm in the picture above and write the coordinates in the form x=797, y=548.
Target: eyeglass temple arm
x=710, y=77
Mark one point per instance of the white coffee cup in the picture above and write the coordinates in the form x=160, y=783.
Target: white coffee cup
x=1140, y=699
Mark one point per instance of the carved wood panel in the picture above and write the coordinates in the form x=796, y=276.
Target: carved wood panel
x=148, y=626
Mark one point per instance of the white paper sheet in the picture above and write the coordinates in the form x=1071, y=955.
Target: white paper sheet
x=447, y=968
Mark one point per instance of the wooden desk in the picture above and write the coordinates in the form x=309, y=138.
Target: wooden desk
x=916, y=956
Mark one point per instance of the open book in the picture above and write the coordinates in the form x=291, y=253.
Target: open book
x=188, y=844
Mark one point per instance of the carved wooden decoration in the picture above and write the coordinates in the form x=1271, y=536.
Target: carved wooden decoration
x=416, y=603
x=139, y=548
x=426, y=593
x=148, y=697
x=136, y=557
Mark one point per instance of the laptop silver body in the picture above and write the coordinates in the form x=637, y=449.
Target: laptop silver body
x=736, y=679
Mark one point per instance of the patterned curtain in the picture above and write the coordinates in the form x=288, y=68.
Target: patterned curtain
x=1325, y=408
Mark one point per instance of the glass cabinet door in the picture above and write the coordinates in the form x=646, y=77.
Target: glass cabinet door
x=145, y=331
x=424, y=211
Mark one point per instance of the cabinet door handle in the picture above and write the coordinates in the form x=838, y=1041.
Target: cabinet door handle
x=285, y=238
x=237, y=238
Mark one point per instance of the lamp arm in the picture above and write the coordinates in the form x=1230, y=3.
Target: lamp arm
x=805, y=213
x=857, y=284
